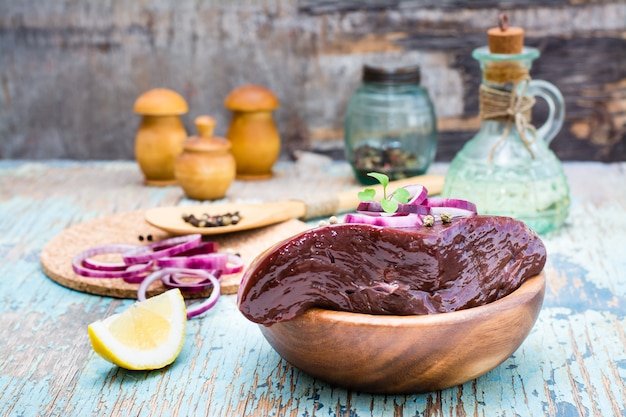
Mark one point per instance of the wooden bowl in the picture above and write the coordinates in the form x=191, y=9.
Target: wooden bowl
x=408, y=354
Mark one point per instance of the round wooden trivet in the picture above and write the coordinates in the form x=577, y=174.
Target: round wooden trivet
x=56, y=257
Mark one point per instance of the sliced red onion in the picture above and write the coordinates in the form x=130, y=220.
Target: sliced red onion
x=210, y=261
x=417, y=193
x=411, y=220
x=450, y=203
x=104, y=266
x=140, y=275
x=411, y=214
x=130, y=272
x=203, y=248
x=455, y=213
x=196, y=309
x=226, y=262
x=167, y=247
x=188, y=282
x=109, y=266
x=153, y=277
x=373, y=208
x=209, y=303
x=184, y=251
x=234, y=265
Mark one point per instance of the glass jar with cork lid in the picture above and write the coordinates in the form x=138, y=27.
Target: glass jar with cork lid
x=507, y=168
x=390, y=124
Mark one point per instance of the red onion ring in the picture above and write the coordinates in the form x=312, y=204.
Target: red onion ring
x=109, y=266
x=137, y=278
x=130, y=272
x=209, y=261
x=411, y=220
x=183, y=251
x=237, y=263
x=373, y=208
x=451, y=203
x=167, y=247
x=182, y=281
x=412, y=213
x=226, y=262
x=455, y=213
x=196, y=309
x=203, y=248
x=417, y=194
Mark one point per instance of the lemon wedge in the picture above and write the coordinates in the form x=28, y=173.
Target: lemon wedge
x=148, y=335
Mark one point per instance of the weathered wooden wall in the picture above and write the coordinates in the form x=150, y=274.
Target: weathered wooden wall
x=71, y=70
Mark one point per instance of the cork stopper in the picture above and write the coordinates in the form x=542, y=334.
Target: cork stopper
x=505, y=39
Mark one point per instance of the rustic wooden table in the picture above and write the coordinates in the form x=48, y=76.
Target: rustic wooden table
x=573, y=362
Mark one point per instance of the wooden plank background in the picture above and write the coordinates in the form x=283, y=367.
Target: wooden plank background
x=71, y=70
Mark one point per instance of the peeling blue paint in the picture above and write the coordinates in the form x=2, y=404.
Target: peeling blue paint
x=48, y=368
x=587, y=297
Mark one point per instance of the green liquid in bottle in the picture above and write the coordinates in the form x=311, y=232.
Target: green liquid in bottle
x=542, y=203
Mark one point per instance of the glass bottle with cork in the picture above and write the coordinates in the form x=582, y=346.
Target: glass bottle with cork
x=390, y=124
x=507, y=168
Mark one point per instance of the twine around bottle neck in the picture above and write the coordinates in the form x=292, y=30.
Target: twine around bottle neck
x=510, y=107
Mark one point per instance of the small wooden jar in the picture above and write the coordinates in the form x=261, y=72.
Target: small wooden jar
x=206, y=168
x=252, y=132
x=161, y=134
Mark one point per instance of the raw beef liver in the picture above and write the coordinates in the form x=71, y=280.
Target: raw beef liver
x=381, y=270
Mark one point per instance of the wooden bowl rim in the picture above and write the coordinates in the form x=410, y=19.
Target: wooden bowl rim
x=522, y=295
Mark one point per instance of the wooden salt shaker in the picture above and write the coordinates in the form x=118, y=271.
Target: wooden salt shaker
x=252, y=132
x=206, y=168
x=161, y=134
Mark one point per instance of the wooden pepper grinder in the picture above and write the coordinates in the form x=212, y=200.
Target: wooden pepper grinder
x=252, y=132
x=206, y=168
x=161, y=134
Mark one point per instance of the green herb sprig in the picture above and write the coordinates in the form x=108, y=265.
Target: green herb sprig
x=389, y=204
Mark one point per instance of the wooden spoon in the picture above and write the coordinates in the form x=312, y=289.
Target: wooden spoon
x=255, y=215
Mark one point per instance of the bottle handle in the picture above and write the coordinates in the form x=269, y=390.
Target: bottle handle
x=556, y=108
